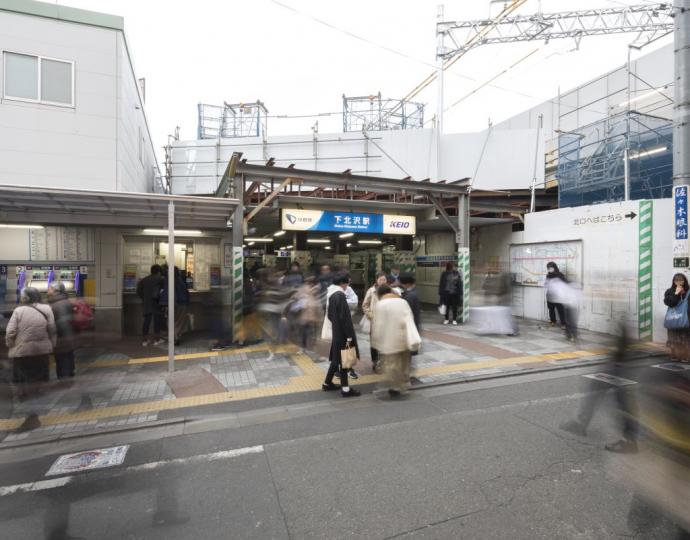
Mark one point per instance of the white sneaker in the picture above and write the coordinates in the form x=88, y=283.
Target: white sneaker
x=145, y=343
x=158, y=342
x=455, y=323
x=445, y=322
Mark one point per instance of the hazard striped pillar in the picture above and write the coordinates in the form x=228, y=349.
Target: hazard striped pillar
x=644, y=306
x=464, y=269
x=237, y=288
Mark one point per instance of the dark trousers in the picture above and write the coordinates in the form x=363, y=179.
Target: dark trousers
x=571, y=322
x=332, y=369
x=452, y=303
x=64, y=364
x=553, y=308
x=374, y=357
x=157, y=318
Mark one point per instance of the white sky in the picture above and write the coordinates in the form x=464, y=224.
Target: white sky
x=243, y=50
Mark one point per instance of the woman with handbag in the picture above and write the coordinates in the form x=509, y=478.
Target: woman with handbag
x=31, y=337
x=368, y=307
x=338, y=325
x=450, y=293
x=676, y=321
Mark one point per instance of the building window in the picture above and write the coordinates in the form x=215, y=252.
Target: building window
x=38, y=79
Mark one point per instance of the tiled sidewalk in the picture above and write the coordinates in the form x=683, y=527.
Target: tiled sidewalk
x=120, y=390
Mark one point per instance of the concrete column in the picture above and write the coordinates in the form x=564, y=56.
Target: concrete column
x=681, y=116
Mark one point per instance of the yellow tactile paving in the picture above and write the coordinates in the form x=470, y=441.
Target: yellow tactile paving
x=310, y=381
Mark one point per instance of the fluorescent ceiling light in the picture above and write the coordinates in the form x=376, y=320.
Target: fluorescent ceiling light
x=260, y=240
x=318, y=241
x=176, y=232
x=13, y=226
x=646, y=153
x=348, y=245
x=327, y=247
x=278, y=233
x=643, y=96
x=289, y=247
x=346, y=235
x=369, y=242
x=244, y=245
x=251, y=243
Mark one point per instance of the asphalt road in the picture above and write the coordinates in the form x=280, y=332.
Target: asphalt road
x=479, y=460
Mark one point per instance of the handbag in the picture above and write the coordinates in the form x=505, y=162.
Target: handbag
x=442, y=309
x=327, y=329
x=365, y=324
x=677, y=316
x=348, y=356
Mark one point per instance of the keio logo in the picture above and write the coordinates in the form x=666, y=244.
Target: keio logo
x=400, y=224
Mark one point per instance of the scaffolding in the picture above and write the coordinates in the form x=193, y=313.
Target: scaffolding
x=372, y=113
x=591, y=160
x=231, y=120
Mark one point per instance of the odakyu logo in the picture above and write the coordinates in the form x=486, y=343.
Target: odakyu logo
x=292, y=219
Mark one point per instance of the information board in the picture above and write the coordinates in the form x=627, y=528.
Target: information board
x=528, y=261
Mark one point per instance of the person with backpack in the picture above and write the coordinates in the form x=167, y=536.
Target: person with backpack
x=450, y=292
x=149, y=289
x=66, y=336
x=31, y=336
x=678, y=338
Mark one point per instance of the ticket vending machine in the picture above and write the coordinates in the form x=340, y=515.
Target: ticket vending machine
x=41, y=276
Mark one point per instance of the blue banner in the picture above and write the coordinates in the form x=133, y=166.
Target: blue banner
x=680, y=197
x=346, y=222
x=349, y=222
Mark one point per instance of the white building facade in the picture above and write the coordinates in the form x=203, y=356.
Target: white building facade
x=71, y=110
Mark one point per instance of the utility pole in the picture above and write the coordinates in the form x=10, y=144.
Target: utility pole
x=439, y=82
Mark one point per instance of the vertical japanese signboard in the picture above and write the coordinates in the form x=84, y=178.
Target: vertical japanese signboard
x=681, y=250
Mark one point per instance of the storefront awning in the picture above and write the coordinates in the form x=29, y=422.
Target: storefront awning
x=49, y=206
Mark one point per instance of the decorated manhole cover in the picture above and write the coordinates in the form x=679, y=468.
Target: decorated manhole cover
x=88, y=460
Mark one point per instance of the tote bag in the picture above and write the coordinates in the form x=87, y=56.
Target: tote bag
x=348, y=356
x=677, y=316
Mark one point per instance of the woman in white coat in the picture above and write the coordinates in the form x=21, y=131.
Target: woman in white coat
x=395, y=336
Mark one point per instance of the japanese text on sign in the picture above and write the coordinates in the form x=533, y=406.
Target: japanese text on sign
x=680, y=198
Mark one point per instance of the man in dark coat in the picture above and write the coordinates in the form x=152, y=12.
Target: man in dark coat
x=552, y=272
x=410, y=295
x=148, y=289
x=338, y=313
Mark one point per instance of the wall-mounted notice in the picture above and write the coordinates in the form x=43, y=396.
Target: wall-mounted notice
x=528, y=261
x=129, y=282
x=62, y=244
x=214, y=275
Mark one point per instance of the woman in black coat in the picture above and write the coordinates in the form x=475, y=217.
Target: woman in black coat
x=678, y=340
x=338, y=313
x=450, y=292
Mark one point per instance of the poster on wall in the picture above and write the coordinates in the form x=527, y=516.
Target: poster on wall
x=129, y=280
x=227, y=255
x=528, y=261
x=214, y=275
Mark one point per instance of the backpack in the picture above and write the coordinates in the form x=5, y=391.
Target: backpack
x=82, y=315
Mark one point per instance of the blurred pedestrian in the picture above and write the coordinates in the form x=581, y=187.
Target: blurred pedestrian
x=497, y=316
x=395, y=336
x=450, y=292
x=618, y=368
x=369, y=308
x=66, y=335
x=305, y=312
x=149, y=289
x=338, y=324
x=679, y=335
x=30, y=336
x=181, y=296
x=552, y=272
x=294, y=278
x=569, y=296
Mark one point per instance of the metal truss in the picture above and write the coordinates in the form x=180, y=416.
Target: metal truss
x=373, y=113
x=231, y=120
x=649, y=21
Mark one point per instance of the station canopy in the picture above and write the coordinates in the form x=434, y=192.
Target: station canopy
x=40, y=205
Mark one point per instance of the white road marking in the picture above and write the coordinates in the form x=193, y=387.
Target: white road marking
x=673, y=366
x=43, y=485
x=35, y=486
x=610, y=379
